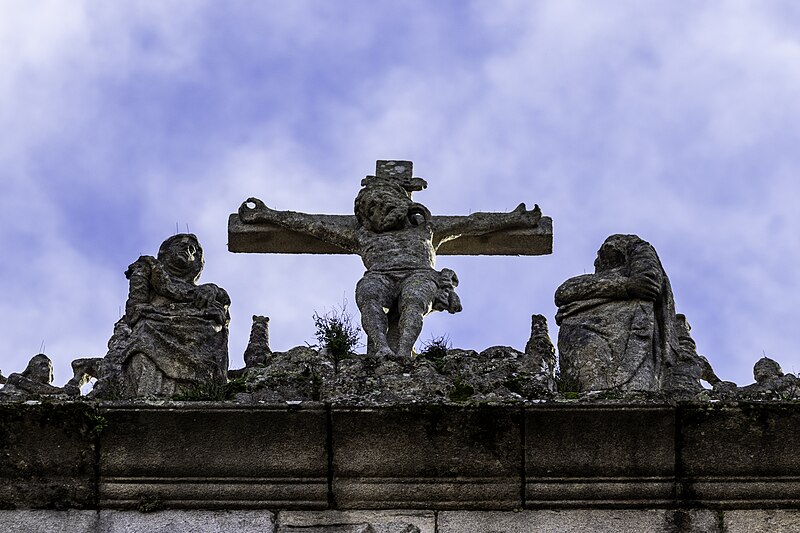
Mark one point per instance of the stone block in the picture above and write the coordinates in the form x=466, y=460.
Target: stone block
x=599, y=456
x=430, y=457
x=356, y=522
x=48, y=521
x=759, y=521
x=47, y=454
x=579, y=521
x=214, y=456
x=741, y=455
x=179, y=521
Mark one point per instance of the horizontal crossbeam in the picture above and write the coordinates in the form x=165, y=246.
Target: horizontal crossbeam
x=271, y=238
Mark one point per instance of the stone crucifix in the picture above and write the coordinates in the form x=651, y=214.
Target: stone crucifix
x=398, y=240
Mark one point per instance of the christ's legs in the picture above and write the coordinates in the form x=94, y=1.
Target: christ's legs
x=373, y=295
x=414, y=303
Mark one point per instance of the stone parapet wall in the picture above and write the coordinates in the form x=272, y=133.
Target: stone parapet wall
x=551, y=460
x=405, y=521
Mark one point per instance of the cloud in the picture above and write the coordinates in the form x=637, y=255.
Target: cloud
x=675, y=121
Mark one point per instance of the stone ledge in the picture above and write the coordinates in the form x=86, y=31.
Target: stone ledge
x=48, y=456
x=427, y=457
x=214, y=456
x=405, y=521
x=207, y=455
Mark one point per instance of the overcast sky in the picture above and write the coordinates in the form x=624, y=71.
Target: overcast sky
x=674, y=120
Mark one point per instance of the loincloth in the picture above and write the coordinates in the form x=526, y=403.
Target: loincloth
x=441, y=284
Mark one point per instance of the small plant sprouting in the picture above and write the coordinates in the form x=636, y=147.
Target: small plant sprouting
x=98, y=422
x=436, y=347
x=435, y=351
x=336, y=332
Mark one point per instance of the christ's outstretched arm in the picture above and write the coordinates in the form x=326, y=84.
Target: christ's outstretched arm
x=254, y=211
x=447, y=228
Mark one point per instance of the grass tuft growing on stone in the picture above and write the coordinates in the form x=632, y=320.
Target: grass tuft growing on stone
x=435, y=351
x=336, y=332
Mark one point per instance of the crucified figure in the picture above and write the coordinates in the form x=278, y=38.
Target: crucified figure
x=397, y=240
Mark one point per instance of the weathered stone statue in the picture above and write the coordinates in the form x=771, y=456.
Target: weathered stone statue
x=397, y=240
x=540, y=347
x=34, y=381
x=174, y=334
x=770, y=379
x=690, y=367
x=258, y=348
x=617, y=325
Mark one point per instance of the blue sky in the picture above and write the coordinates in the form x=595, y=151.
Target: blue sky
x=676, y=121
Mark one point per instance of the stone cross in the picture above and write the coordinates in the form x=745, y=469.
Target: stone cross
x=398, y=240
x=272, y=238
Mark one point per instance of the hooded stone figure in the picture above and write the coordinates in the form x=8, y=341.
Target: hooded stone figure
x=174, y=333
x=617, y=327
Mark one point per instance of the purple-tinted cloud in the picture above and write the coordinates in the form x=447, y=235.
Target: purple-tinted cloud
x=674, y=121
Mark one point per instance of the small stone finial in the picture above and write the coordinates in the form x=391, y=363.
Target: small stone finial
x=540, y=346
x=258, y=346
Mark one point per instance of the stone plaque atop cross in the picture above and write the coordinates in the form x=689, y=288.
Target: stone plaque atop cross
x=398, y=240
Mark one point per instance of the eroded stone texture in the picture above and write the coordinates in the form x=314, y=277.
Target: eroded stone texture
x=372, y=381
x=690, y=368
x=540, y=348
x=258, y=349
x=356, y=522
x=498, y=374
x=83, y=370
x=47, y=453
x=580, y=521
x=48, y=521
x=33, y=382
x=740, y=452
x=427, y=457
x=762, y=521
x=599, y=455
x=617, y=325
x=213, y=456
x=295, y=375
x=771, y=382
x=174, y=334
x=186, y=522
x=397, y=240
